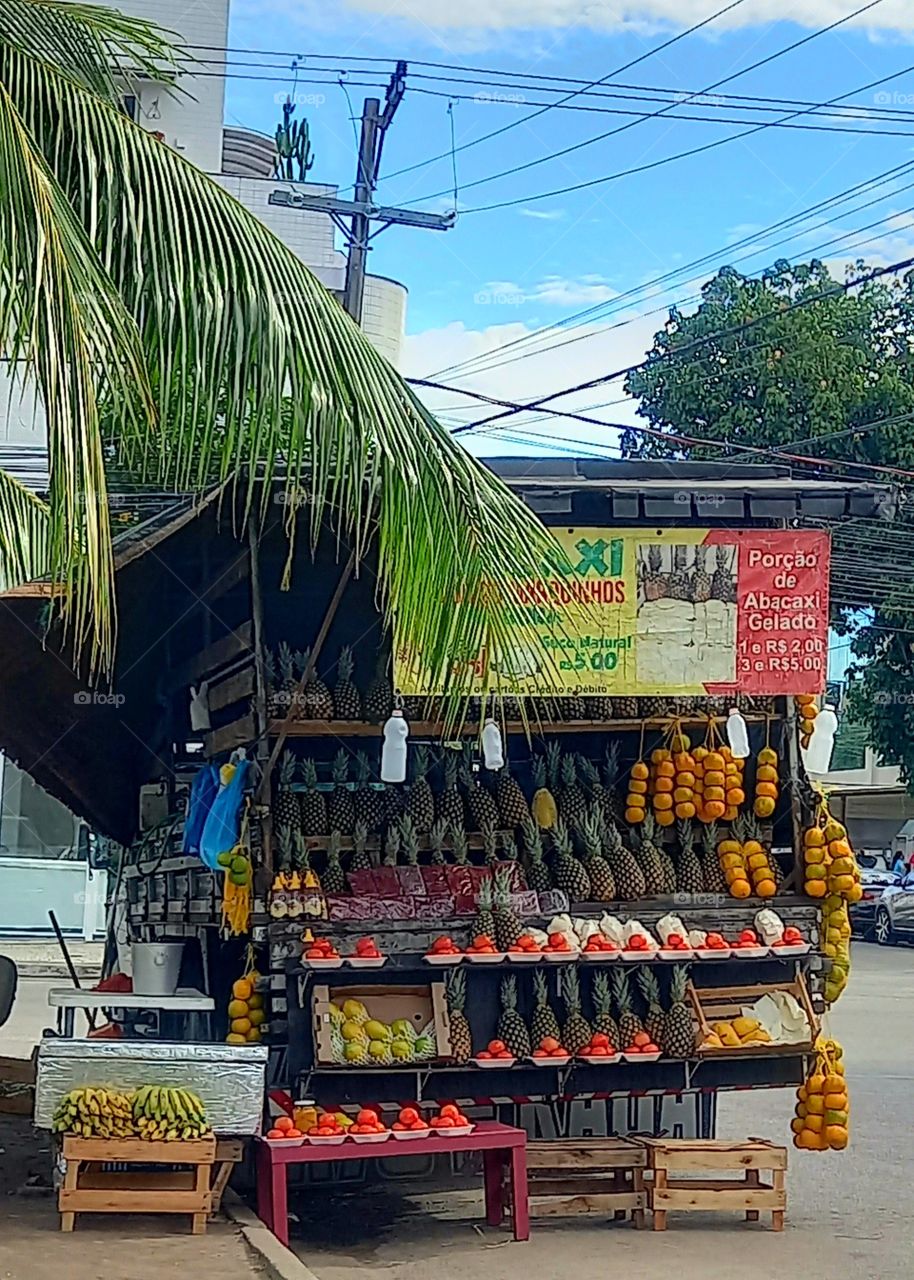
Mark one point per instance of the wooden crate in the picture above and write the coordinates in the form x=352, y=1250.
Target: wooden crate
x=670, y=1158
x=592, y=1176
x=90, y=1188
x=717, y=1004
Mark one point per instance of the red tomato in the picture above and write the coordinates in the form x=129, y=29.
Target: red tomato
x=273, y=1134
x=449, y=1110
x=495, y=1047
x=409, y=1115
x=398, y=1127
x=283, y=1123
x=420, y=1124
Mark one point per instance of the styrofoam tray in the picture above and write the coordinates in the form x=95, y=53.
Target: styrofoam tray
x=600, y=957
x=641, y=1057
x=550, y=1062
x=369, y=1138
x=639, y=957
x=286, y=1142
x=336, y=1141
x=525, y=957
x=598, y=1061
x=486, y=1063
x=459, y=1131
x=366, y=962
x=799, y=949
x=486, y=957
x=409, y=1135
x=323, y=964
x=562, y=957
x=704, y=953
x=749, y=953
x=442, y=959
x=674, y=953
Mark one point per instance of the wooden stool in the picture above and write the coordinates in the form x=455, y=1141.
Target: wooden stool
x=668, y=1158
x=88, y=1188
x=579, y=1176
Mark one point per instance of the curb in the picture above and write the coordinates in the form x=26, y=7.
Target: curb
x=279, y=1262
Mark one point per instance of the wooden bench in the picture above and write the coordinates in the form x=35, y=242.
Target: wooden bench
x=578, y=1176
x=90, y=1188
x=669, y=1159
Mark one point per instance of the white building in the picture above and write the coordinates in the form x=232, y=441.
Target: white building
x=38, y=836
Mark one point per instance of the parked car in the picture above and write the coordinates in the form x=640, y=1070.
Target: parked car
x=863, y=913
x=893, y=916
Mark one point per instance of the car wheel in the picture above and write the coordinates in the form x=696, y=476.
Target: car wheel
x=882, y=928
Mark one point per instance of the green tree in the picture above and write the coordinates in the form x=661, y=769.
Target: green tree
x=175, y=340
x=800, y=379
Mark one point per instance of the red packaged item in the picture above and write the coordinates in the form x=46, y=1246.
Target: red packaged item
x=460, y=881
x=435, y=881
x=387, y=882
x=437, y=908
x=412, y=884
x=362, y=883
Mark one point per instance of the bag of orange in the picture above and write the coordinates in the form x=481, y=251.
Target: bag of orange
x=807, y=710
x=822, y=1112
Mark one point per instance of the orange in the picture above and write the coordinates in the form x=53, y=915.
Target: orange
x=242, y=989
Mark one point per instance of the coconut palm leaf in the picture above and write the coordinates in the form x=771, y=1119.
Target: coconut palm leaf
x=24, y=529
x=183, y=338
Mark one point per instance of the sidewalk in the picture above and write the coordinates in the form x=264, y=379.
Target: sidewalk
x=42, y=957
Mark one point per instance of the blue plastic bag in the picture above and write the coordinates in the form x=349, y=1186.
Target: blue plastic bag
x=223, y=825
x=202, y=794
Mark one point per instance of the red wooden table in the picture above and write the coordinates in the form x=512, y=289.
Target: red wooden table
x=502, y=1147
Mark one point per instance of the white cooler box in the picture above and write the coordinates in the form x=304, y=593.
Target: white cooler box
x=229, y=1079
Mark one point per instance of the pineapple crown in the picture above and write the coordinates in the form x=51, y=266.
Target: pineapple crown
x=359, y=837
x=362, y=769
x=538, y=773
x=421, y=762
x=621, y=990
x=509, y=848
x=457, y=990
x=509, y=994
x=569, y=771
x=410, y=838
x=589, y=772
x=284, y=839
x=540, y=988
x=611, y=764
x=287, y=770
x=392, y=846
x=438, y=834
x=484, y=898
x=561, y=837
x=751, y=829
x=686, y=836
x=648, y=828
x=490, y=843
x=451, y=764
x=678, y=984
x=571, y=989
x=269, y=666
x=723, y=556
x=592, y=831
x=286, y=659
x=334, y=846
x=654, y=556
x=679, y=556
x=345, y=665
x=459, y=844
x=650, y=988
x=602, y=997
x=309, y=773
x=710, y=837
x=553, y=762
x=502, y=883
x=533, y=840
x=302, y=857
x=340, y=770
x=612, y=837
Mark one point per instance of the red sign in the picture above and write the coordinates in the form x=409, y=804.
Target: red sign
x=782, y=610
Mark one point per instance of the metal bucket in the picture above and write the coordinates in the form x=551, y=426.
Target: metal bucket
x=156, y=967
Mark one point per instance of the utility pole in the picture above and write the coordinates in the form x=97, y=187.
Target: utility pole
x=361, y=211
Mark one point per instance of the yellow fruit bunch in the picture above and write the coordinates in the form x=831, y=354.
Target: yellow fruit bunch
x=662, y=786
x=829, y=863
x=823, y=1108
x=733, y=864
x=835, y=943
x=236, y=898
x=758, y=860
x=245, y=1011
x=766, y=783
x=735, y=1033
x=636, y=799
x=807, y=710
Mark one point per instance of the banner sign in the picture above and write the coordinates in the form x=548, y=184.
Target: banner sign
x=677, y=612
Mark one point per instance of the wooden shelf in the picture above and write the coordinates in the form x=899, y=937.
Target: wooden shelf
x=433, y=728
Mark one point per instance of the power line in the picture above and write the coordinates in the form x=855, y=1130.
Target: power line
x=875, y=274
x=735, y=75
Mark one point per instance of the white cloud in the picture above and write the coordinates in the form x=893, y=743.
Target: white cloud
x=543, y=215
x=551, y=291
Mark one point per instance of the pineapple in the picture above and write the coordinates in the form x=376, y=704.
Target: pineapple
x=649, y=859
x=538, y=877
x=511, y=1026
x=571, y=799
x=484, y=919
x=508, y=926
x=409, y=839
x=480, y=802
x=459, y=846
x=722, y=585
x=284, y=839
x=604, y=1022
x=630, y=1024
x=628, y=875
x=679, y=1031
x=368, y=802
x=379, y=696
x=450, y=808
x=543, y=807
x=315, y=700
x=577, y=1030
x=680, y=583
x=599, y=793
x=347, y=701
x=508, y=849
x=574, y=708
x=653, y=708
x=490, y=846
x=437, y=838
x=626, y=708
x=392, y=847
x=512, y=805
x=570, y=874
x=420, y=803
x=602, y=884
x=655, y=580
x=361, y=858
x=341, y=809
x=655, y=1021
x=701, y=579
x=544, y=1022
x=393, y=800
x=689, y=876
x=271, y=681
x=288, y=685
x=334, y=877
x=713, y=879
x=285, y=804
x=312, y=805
x=461, y=1036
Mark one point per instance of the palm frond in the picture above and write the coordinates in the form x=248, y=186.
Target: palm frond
x=255, y=370
x=24, y=529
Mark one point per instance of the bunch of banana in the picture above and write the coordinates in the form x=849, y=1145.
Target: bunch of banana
x=92, y=1112
x=168, y=1114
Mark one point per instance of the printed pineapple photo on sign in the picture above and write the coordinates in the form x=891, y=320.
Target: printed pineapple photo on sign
x=686, y=613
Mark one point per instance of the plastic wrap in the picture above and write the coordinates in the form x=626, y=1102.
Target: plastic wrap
x=229, y=1079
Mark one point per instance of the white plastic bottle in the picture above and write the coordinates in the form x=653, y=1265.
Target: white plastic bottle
x=493, y=750
x=822, y=743
x=393, y=751
x=737, y=734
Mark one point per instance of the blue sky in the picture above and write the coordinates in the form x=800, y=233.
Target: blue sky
x=501, y=274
